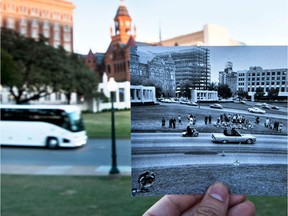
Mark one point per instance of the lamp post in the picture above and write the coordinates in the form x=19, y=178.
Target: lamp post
x=112, y=87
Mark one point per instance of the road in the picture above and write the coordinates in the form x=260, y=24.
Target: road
x=170, y=149
x=191, y=164
x=97, y=152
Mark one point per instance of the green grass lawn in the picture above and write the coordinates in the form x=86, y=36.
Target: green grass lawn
x=90, y=195
x=98, y=125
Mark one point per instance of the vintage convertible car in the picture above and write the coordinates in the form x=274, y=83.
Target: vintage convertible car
x=239, y=138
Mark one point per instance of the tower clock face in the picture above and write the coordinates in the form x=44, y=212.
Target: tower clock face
x=127, y=23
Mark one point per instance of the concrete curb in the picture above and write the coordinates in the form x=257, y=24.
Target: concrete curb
x=62, y=170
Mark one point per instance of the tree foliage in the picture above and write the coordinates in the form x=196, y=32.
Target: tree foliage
x=33, y=69
x=273, y=93
x=213, y=86
x=259, y=93
x=224, y=91
x=242, y=94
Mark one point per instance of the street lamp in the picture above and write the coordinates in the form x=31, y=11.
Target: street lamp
x=112, y=87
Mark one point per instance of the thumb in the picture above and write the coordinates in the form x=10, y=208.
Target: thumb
x=215, y=201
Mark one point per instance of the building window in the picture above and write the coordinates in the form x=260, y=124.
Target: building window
x=34, y=24
x=57, y=35
x=34, y=12
x=58, y=96
x=67, y=28
x=23, y=27
x=67, y=37
x=56, y=44
x=47, y=98
x=121, y=94
x=67, y=47
x=23, y=9
x=10, y=23
x=34, y=33
x=56, y=27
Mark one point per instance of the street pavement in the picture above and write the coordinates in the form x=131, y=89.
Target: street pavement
x=92, y=159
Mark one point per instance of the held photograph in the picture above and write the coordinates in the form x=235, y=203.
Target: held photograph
x=202, y=114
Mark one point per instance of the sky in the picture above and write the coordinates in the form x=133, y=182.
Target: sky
x=254, y=22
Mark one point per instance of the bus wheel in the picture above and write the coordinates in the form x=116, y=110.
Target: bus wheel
x=52, y=143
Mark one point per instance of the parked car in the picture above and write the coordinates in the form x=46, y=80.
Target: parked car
x=256, y=110
x=192, y=104
x=259, y=104
x=166, y=101
x=275, y=107
x=236, y=138
x=265, y=106
x=216, y=106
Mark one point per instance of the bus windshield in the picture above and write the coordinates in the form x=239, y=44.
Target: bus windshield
x=76, y=122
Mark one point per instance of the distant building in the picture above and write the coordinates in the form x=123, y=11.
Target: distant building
x=228, y=77
x=116, y=60
x=172, y=71
x=151, y=69
x=51, y=18
x=212, y=35
x=142, y=94
x=257, y=77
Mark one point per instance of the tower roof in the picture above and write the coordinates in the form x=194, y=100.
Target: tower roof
x=122, y=11
x=90, y=54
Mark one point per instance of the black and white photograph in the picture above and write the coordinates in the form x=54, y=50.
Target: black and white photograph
x=205, y=114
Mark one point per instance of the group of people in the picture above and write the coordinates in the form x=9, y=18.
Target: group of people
x=274, y=125
x=233, y=132
x=233, y=120
x=172, y=122
x=208, y=119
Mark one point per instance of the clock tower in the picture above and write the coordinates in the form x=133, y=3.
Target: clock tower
x=123, y=26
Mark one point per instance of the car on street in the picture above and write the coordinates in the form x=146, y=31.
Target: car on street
x=275, y=107
x=256, y=110
x=166, y=100
x=265, y=106
x=216, y=106
x=239, y=138
x=192, y=104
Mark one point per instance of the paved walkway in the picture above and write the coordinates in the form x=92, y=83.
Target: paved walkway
x=62, y=170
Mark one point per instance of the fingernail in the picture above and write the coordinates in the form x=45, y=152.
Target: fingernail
x=219, y=192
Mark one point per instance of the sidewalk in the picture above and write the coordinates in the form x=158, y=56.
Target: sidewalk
x=62, y=170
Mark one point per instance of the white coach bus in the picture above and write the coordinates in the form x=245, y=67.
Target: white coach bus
x=42, y=125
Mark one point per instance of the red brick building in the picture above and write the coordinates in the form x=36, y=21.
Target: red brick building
x=116, y=61
x=51, y=18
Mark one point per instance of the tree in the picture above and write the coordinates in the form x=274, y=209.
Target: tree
x=9, y=70
x=273, y=93
x=185, y=87
x=242, y=94
x=259, y=93
x=36, y=65
x=213, y=86
x=224, y=91
x=35, y=69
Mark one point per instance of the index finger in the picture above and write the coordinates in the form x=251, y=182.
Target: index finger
x=173, y=205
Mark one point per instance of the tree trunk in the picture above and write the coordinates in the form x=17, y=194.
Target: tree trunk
x=68, y=97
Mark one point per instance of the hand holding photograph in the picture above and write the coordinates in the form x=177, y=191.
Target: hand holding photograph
x=201, y=115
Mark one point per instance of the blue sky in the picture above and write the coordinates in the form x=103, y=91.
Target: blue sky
x=255, y=22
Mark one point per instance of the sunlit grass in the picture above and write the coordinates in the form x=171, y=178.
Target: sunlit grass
x=90, y=195
x=98, y=125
